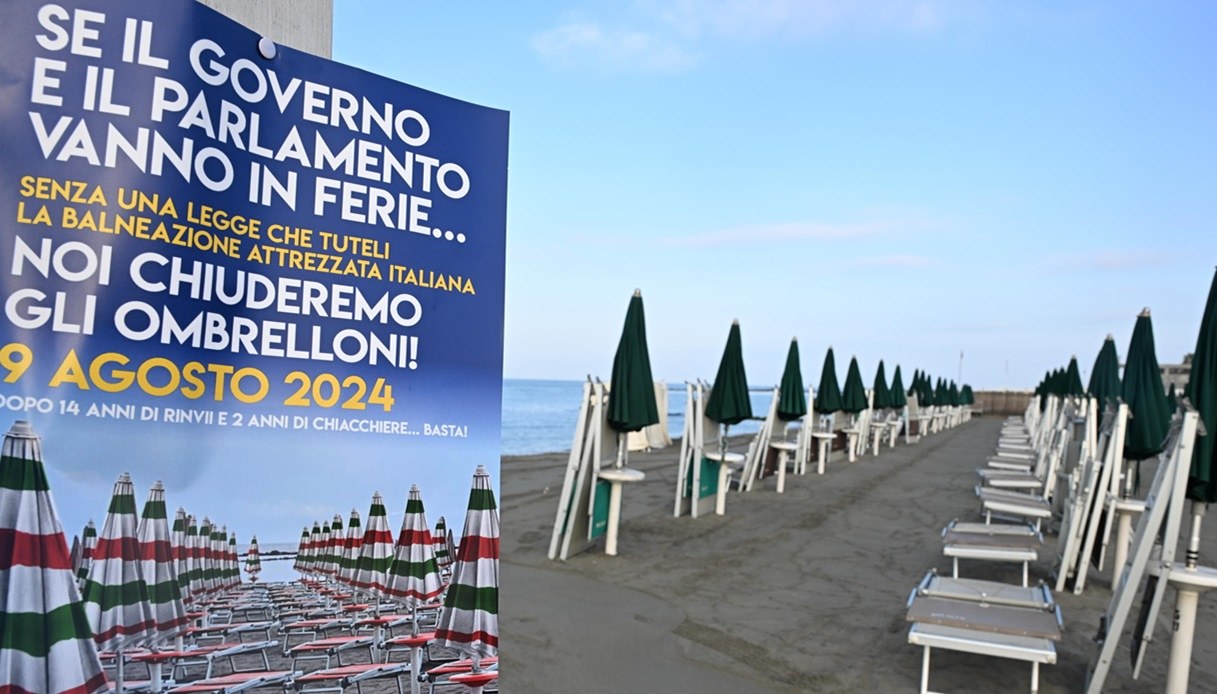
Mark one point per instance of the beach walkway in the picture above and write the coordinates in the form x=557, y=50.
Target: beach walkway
x=803, y=591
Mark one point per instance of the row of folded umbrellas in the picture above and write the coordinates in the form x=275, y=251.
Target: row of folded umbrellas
x=330, y=551
x=132, y=586
x=632, y=406
x=1151, y=405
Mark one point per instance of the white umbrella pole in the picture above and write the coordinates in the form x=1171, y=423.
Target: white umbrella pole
x=118, y=668
x=1186, y=601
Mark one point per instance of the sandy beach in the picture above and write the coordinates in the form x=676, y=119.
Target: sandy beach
x=803, y=591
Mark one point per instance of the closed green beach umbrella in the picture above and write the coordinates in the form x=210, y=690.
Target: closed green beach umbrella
x=1073, y=379
x=729, y=403
x=966, y=396
x=792, y=403
x=853, y=394
x=953, y=393
x=882, y=398
x=896, y=392
x=1143, y=392
x=1201, y=391
x=915, y=384
x=828, y=395
x=631, y=401
x=1104, y=384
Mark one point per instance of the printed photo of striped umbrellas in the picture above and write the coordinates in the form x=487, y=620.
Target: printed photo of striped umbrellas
x=88, y=541
x=114, y=590
x=375, y=553
x=350, y=550
x=413, y=575
x=45, y=641
x=253, y=560
x=469, y=621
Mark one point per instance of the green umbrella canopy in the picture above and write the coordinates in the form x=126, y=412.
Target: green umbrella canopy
x=828, y=395
x=1104, y=382
x=1201, y=392
x=942, y=395
x=853, y=394
x=1073, y=379
x=927, y=389
x=915, y=384
x=966, y=396
x=954, y=395
x=883, y=397
x=631, y=401
x=729, y=403
x=792, y=403
x=896, y=393
x=1143, y=392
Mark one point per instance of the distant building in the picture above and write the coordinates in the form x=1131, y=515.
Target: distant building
x=306, y=25
x=1176, y=375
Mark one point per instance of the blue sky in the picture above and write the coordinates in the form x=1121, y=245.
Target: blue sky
x=900, y=180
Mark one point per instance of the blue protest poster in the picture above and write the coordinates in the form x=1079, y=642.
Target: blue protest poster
x=269, y=280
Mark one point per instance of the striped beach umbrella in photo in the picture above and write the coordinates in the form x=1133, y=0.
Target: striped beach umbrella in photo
x=233, y=562
x=181, y=554
x=253, y=560
x=158, y=568
x=219, y=558
x=45, y=641
x=194, y=557
x=414, y=573
x=375, y=552
x=469, y=621
x=350, y=549
x=313, y=558
x=301, y=561
x=439, y=540
x=207, y=570
x=88, y=541
x=115, y=589
x=333, y=549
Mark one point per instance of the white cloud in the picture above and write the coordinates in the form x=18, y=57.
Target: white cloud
x=580, y=44
x=1114, y=260
x=752, y=19
x=661, y=36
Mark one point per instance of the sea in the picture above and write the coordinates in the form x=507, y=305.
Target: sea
x=539, y=416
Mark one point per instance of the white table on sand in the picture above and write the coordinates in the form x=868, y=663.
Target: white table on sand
x=824, y=441
x=728, y=462
x=616, y=476
x=784, y=449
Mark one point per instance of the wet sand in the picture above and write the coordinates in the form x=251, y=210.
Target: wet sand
x=803, y=591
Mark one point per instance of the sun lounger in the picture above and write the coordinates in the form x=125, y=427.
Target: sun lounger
x=206, y=656
x=440, y=674
x=1013, y=504
x=330, y=648
x=985, y=592
x=946, y=616
x=991, y=542
x=407, y=644
x=237, y=629
x=312, y=629
x=339, y=679
x=239, y=682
